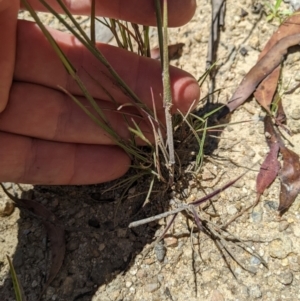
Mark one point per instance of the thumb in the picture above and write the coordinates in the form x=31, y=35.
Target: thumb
x=8, y=28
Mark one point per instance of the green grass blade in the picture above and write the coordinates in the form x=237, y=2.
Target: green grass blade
x=16, y=283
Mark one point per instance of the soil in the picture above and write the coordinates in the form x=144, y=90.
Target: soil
x=107, y=261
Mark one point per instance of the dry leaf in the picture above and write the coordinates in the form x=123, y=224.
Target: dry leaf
x=290, y=178
x=265, y=91
x=271, y=166
x=261, y=70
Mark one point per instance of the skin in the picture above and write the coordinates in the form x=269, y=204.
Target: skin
x=45, y=137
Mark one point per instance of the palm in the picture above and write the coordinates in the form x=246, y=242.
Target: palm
x=45, y=137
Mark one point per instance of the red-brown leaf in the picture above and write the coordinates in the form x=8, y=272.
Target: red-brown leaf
x=265, y=91
x=290, y=178
x=271, y=166
x=261, y=70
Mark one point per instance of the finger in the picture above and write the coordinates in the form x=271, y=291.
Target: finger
x=136, y=11
x=44, y=113
x=26, y=160
x=8, y=28
x=37, y=63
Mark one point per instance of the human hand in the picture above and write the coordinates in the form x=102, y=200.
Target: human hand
x=45, y=138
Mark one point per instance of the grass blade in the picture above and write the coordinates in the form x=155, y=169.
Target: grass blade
x=16, y=283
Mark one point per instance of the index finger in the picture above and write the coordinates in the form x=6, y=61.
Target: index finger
x=136, y=11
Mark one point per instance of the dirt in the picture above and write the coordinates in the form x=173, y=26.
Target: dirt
x=107, y=261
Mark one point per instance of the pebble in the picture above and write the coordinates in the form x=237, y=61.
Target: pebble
x=152, y=287
x=296, y=114
x=68, y=285
x=160, y=251
x=239, y=184
x=114, y=295
x=34, y=284
x=255, y=292
x=271, y=205
x=171, y=242
x=285, y=278
x=254, y=261
x=6, y=207
x=217, y=296
x=128, y=284
x=280, y=248
x=231, y=209
x=254, y=42
x=256, y=216
x=122, y=233
x=141, y=274
x=283, y=225
x=73, y=245
x=101, y=247
x=285, y=262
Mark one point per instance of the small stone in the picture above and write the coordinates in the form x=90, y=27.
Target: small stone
x=256, y=216
x=160, y=251
x=280, y=248
x=122, y=233
x=152, y=287
x=101, y=247
x=73, y=245
x=254, y=42
x=271, y=205
x=284, y=262
x=34, y=284
x=171, y=242
x=294, y=126
x=216, y=296
x=191, y=198
x=237, y=19
x=114, y=295
x=285, y=278
x=296, y=114
x=132, y=190
x=68, y=285
x=255, y=292
x=254, y=261
x=198, y=36
x=128, y=284
x=133, y=271
x=141, y=274
x=6, y=207
x=231, y=209
x=283, y=225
